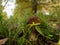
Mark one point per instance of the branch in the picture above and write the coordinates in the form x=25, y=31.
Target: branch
x=6, y=3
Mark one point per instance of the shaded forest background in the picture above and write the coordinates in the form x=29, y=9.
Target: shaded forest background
x=31, y=21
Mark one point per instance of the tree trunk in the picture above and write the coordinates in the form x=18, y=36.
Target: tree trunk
x=34, y=6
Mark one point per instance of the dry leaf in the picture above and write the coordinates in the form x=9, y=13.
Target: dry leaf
x=3, y=41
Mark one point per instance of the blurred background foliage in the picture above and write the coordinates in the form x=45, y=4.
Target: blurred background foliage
x=47, y=10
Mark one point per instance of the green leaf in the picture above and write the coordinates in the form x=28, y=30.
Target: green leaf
x=45, y=33
x=59, y=42
x=28, y=42
x=21, y=41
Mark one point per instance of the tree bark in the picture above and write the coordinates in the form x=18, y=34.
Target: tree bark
x=34, y=6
